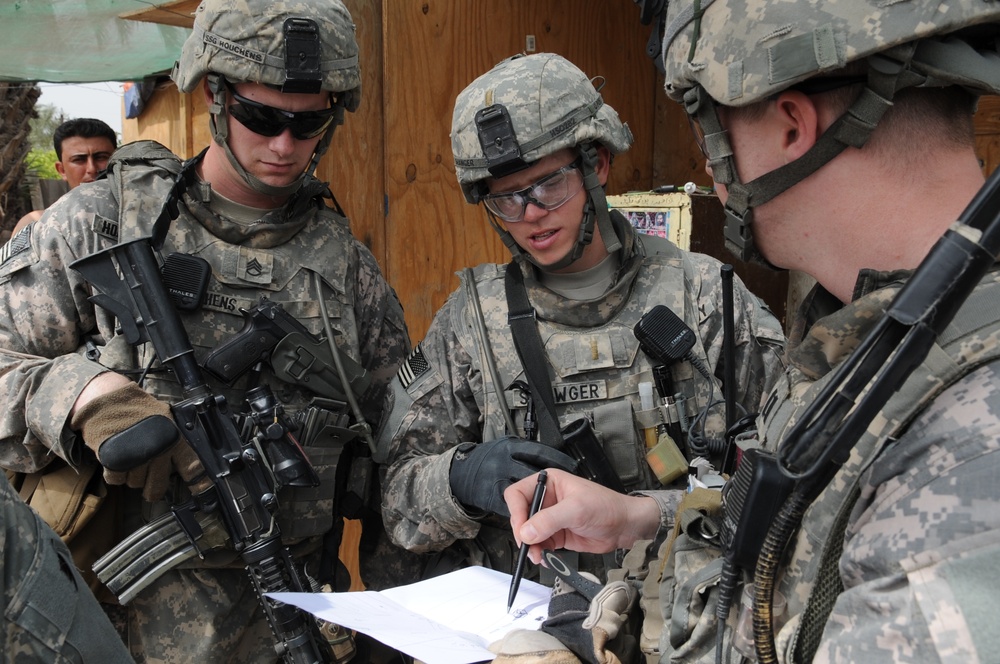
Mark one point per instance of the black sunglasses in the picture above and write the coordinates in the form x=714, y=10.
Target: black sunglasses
x=270, y=121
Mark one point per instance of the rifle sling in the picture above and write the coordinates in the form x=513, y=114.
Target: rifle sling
x=528, y=343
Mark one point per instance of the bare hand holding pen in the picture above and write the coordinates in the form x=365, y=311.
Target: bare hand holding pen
x=578, y=515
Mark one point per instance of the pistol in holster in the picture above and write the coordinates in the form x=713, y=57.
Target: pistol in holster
x=295, y=354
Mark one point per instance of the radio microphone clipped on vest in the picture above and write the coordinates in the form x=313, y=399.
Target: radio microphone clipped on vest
x=665, y=338
x=186, y=279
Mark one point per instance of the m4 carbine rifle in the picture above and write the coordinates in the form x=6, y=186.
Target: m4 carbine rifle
x=245, y=475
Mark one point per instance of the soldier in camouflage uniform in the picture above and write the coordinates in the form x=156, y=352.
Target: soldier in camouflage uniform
x=822, y=125
x=254, y=211
x=456, y=427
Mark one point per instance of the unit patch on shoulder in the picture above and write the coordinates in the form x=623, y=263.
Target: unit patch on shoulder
x=15, y=245
x=415, y=366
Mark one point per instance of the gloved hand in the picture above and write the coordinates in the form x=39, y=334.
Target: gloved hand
x=596, y=631
x=576, y=630
x=481, y=471
x=137, y=442
x=531, y=646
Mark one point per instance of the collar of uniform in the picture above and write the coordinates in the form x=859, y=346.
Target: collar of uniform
x=274, y=228
x=553, y=307
x=870, y=281
x=826, y=331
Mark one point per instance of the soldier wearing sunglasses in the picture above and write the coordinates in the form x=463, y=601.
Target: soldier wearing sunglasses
x=533, y=141
x=278, y=78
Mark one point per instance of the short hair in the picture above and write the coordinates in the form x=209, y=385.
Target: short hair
x=84, y=128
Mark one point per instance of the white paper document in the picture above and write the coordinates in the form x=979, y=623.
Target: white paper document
x=450, y=619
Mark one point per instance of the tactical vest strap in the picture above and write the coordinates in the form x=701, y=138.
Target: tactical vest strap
x=528, y=344
x=828, y=586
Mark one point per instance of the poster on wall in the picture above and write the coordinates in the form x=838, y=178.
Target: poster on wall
x=664, y=215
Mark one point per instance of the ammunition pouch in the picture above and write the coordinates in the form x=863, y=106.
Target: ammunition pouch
x=77, y=504
x=323, y=433
x=608, y=448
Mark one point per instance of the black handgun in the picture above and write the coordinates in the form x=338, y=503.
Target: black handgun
x=296, y=356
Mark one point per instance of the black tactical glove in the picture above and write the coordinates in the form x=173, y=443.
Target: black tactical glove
x=481, y=472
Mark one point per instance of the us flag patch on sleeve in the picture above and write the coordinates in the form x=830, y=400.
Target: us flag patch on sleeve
x=415, y=366
x=15, y=245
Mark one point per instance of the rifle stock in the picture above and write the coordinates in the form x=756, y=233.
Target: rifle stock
x=244, y=488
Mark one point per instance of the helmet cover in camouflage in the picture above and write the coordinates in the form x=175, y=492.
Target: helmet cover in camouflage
x=245, y=41
x=551, y=105
x=747, y=50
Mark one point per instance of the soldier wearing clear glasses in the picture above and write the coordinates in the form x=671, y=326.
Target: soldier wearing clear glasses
x=533, y=141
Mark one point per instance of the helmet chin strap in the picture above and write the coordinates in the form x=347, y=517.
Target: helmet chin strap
x=594, y=210
x=220, y=132
x=887, y=73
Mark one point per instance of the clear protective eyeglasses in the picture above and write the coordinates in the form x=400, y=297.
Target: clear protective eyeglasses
x=548, y=193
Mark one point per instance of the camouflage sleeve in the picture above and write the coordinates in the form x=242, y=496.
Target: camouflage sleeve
x=43, y=313
x=923, y=546
x=432, y=409
x=385, y=342
x=759, y=343
x=667, y=501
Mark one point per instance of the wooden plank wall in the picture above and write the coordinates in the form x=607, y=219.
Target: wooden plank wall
x=988, y=133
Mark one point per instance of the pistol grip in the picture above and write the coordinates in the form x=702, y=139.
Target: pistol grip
x=237, y=356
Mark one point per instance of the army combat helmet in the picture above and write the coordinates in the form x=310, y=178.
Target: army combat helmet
x=525, y=108
x=738, y=52
x=296, y=46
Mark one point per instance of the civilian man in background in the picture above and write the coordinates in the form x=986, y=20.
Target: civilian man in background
x=83, y=147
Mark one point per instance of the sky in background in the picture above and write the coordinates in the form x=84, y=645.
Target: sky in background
x=86, y=100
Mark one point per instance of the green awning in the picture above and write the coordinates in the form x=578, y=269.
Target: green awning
x=81, y=41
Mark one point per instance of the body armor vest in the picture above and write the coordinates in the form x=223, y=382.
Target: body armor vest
x=597, y=368
x=970, y=341
x=280, y=263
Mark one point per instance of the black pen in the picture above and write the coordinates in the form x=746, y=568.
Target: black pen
x=522, y=554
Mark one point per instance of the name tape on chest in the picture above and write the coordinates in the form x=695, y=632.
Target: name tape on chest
x=574, y=392
x=105, y=227
x=594, y=390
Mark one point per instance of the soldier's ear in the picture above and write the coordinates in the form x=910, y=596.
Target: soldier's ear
x=603, y=164
x=800, y=120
